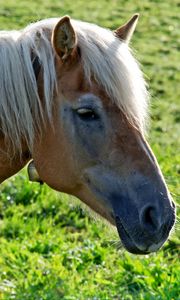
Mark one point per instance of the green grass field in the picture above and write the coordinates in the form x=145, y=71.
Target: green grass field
x=50, y=249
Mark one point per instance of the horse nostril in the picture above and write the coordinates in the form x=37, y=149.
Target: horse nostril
x=149, y=219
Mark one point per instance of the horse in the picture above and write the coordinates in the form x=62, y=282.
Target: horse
x=74, y=103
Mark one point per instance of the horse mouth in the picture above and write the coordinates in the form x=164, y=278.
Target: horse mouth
x=126, y=240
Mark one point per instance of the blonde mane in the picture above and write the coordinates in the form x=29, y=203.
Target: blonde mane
x=103, y=56
x=112, y=64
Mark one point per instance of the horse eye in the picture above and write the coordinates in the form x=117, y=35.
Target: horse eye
x=87, y=113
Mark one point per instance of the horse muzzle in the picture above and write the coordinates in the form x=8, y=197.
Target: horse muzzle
x=142, y=210
x=146, y=232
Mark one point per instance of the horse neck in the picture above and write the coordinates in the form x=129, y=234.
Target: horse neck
x=11, y=161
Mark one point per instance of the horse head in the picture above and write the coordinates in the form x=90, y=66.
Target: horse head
x=94, y=147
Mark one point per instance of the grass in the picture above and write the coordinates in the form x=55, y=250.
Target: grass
x=50, y=248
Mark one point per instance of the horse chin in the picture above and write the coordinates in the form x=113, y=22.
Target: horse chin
x=126, y=240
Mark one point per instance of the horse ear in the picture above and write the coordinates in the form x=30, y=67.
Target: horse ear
x=64, y=38
x=126, y=31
